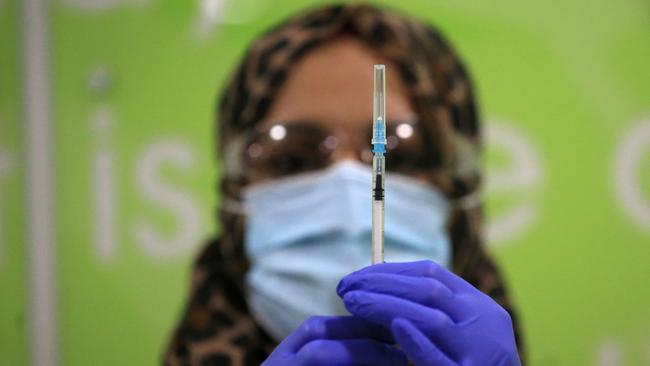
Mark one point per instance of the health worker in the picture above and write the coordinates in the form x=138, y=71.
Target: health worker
x=288, y=281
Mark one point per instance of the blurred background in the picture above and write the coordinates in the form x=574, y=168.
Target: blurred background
x=108, y=179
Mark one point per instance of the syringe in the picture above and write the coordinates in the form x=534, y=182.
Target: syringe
x=378, y=164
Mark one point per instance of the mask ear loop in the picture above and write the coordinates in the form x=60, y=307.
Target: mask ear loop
x=470, y=201
x=465, y=202
x=233, y=169
x=233, y=158
x=467, y=164
x=233, y=153
x=233, y=206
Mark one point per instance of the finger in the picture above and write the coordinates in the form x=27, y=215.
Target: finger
x=419, y=349
x=425, y=268
x=417, y=268
x=426, y=291
x=383, y=309
x=349, y=352
x=335, y=327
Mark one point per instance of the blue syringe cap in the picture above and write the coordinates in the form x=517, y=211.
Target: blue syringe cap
x=379, y=136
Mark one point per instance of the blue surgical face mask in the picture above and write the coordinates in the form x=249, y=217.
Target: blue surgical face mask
x=304, y=233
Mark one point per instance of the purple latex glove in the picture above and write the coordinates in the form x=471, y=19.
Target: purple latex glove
x=337, y=341
x=435, y=316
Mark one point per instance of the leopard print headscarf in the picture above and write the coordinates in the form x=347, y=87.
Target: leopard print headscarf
x=217, y=327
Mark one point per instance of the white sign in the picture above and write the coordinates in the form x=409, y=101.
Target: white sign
x=522, y=176
x=103, y=5
x=5, y=166
x=177, y=201
x=633, y=148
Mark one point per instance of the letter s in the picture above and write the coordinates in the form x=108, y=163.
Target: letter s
x=185, y=208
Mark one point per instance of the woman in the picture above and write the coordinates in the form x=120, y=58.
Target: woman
x=277, y=286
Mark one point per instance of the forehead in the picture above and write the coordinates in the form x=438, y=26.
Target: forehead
x=333, y=84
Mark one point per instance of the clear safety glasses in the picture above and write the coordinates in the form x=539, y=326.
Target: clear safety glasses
x=283, y=149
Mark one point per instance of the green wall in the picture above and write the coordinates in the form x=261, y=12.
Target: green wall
x=564, y=87
x=13, y=267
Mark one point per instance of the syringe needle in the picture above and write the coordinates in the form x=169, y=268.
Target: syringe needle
x=378, y=164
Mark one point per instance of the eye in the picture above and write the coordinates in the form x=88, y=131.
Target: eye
x=406, y=153
x=402, y=161
x=294, y=160
x=285, y=149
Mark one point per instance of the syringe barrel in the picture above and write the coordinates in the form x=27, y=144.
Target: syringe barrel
x=378, y=179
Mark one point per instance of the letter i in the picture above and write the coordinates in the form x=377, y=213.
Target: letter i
x=103, y=183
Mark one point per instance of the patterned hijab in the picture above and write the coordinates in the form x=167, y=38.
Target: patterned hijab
x=217, y=327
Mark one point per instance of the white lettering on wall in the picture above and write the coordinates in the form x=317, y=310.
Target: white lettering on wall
x=522, y=175
x=613, y=351
x=211, y=13
x=5, y=166
x=631, y=151
x=608, y=354
x=103, y=5
x=176, y=154
x=103, y=183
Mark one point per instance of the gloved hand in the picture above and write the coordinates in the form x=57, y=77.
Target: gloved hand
x=435, y=316
x=337, y=341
